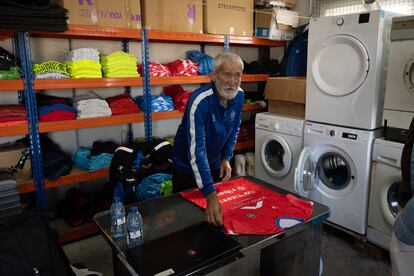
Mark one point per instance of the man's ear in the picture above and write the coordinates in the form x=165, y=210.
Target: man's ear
x=213, y=76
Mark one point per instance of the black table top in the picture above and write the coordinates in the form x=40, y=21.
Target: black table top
x=165, y=215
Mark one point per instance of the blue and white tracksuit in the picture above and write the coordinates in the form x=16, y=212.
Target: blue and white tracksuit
x=207, y=135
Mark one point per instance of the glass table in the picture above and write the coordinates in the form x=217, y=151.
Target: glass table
x=293, y=252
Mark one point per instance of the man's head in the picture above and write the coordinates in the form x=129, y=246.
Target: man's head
x=226, y=74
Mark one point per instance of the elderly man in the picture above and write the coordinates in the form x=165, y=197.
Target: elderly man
x=207, y=134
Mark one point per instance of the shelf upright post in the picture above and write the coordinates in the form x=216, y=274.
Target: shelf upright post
x=147, y=85
x=226, y=43
x=127, y=89
x=30, y=100
x=15, y=43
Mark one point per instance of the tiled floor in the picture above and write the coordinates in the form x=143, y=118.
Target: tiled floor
x=340, y=256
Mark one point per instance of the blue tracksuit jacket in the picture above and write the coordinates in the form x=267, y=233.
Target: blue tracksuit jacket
x=206, y=135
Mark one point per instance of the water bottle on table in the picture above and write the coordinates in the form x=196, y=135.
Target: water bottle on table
x=118, y=229
x=134, y=227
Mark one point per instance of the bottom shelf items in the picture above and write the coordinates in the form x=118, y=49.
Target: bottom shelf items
x=68, y=233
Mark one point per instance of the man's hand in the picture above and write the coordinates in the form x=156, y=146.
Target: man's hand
x=213, y=210
x=225, y=170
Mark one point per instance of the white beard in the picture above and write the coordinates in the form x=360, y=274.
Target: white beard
x=226, y=94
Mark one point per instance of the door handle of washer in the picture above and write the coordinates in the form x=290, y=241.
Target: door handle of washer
x=387, y=160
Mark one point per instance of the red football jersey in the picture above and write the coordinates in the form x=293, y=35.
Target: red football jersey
x=249, y=208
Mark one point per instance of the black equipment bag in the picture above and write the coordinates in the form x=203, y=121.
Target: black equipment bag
x=28, y=246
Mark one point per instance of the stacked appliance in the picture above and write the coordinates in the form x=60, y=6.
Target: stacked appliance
x=383, y=198
x=344, y=103
x=278, y=144
x=399, y=95
x=398, y=113
x=9, y=196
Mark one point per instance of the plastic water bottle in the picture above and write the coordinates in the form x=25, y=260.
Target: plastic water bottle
x=118, y=229
x=134, y=227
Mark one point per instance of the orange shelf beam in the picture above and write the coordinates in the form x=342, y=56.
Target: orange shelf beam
x=254, y=77
x=86, y=83
x=244, y=145
x=103, y=32
x=11, y=85
x=93, y=32
x=166, y=115
x=20, y=129
x=179, y=80
x=90, y=123
x=77, y=175
x=88, y=229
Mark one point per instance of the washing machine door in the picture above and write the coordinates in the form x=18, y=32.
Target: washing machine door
x=389, y=200
x=336, y=171
x=340, y=66
x=409, y=75
x=276, y=155
x=306, y=178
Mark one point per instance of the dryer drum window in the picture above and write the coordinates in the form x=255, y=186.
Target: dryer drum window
x=409, y=75
x=392, y=198
x=274, y=153
x=334, y=171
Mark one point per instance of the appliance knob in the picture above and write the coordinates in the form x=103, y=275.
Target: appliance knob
x=276, y=126
x=332, y=132
x=339, y=21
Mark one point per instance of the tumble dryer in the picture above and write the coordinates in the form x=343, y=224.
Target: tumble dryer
x=399, y=93
x=383, y=198
x=346, y=67
x=334, y=169
x=277, y=148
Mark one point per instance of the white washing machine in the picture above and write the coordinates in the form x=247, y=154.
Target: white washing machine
x=346, y=68
x=334, y=169
x=383, y=199
x=399, y=93
x=277, y=147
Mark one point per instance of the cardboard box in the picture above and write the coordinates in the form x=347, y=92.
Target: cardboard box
x=285, y=3
x=173, y=15
x=276, y=23
x=122, y=14
x=233, y=17
x=286, y=95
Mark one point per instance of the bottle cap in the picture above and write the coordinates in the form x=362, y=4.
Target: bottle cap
x=117, y=199
x=134, y=209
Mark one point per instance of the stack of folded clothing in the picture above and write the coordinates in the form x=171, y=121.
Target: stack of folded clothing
x=50, y=70
x=122, y=104
x=179, y=96
x=54, y=108
x=119, y=65
x=56, y=163
x=84, y=63
x=83, y=159
x=205, y=62
x=8, y=68
x=183, y=68
x=156, y=70
x=158, y=103
x=90, y=105
x=12, y=115
x=24, y=15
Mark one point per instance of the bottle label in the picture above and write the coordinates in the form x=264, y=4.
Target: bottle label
x=120, y=221
x=135, y=234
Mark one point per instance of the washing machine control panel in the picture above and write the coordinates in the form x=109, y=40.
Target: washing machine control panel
x=291, y=127
x=338, y=133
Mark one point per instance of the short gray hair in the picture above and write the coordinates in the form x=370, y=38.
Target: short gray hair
x=226, y=58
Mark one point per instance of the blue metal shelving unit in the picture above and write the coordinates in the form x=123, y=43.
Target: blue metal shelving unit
x=147, y=84
x=24, y=53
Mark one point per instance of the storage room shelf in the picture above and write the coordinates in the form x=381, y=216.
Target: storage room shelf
x=68, y=233
x=15, y=85
x=76, y=175
x=90, y=123
x=244, y=145
x=20, y=129
x=11, y=85
x=102, y=32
